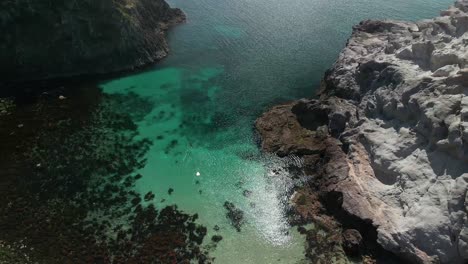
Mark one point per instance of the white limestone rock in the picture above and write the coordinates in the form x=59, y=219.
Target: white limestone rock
x=446, y=71
x=409, y=147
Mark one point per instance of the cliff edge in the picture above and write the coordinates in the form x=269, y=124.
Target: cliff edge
x=55, y=39
x=387, y=141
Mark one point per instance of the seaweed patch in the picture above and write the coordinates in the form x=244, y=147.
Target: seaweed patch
x=67, y=186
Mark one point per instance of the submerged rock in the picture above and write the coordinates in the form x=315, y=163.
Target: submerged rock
x=235, y=215
x=387, y=140
x=149, y=196
x=80, y=205
x=247, y=193
x=216, y=238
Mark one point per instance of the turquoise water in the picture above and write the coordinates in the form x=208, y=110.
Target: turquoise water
x=228, y=63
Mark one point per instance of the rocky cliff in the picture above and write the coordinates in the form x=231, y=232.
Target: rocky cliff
x=50, y=39
x=387, y=140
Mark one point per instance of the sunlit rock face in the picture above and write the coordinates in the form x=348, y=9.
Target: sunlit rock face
x=396, y=104
x=44, y=39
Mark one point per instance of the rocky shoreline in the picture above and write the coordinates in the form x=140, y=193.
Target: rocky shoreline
x=385, y=145
x=68, y=39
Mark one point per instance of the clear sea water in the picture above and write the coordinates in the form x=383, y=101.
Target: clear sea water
x=228, y=63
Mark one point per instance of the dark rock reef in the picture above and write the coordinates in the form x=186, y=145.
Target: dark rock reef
x=67, y=181
x=235, y=215
x=386, y=142
x=55, y=39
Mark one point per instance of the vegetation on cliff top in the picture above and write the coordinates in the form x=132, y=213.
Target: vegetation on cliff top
x=49, y=39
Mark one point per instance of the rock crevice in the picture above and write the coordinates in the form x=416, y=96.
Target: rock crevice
x=391, y=127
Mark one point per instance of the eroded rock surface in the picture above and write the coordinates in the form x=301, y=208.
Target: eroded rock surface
x=391, y=131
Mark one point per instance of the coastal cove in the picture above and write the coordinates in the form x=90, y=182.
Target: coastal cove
x=230, y=62
x=192, y=115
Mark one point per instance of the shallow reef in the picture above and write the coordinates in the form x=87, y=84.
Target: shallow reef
x=67, y=181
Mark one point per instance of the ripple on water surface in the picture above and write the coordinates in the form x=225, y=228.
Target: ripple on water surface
x=192, y=135
x=230, y=61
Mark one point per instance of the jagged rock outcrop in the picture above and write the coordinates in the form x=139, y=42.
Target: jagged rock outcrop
x=392, y=131
x=53, y=39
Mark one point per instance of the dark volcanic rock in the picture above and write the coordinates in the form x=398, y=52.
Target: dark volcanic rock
x=41, y=40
